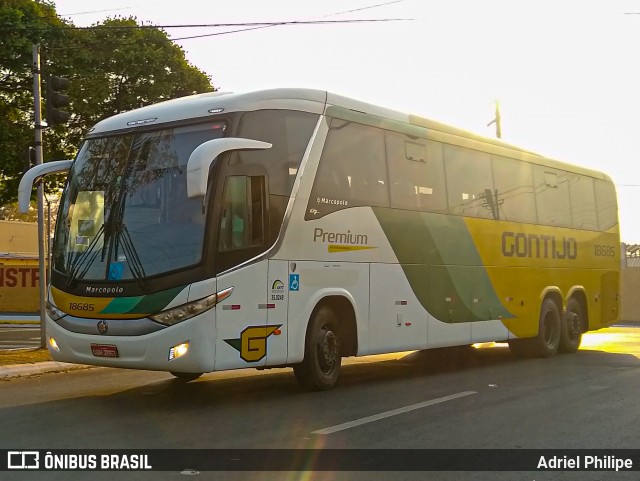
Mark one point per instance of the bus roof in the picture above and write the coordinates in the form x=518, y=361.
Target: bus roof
x=203, y=106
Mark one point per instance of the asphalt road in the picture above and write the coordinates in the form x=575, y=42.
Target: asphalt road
x=482, y=399
x=17, y=336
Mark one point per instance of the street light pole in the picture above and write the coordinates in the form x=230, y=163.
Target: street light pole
x=41, y=234
x=497, y=120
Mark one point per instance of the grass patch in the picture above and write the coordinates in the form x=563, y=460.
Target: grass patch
x=24, y=356
x=20, y=323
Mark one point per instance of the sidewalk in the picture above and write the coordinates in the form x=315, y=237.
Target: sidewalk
x=20, y=370
x=19, y=318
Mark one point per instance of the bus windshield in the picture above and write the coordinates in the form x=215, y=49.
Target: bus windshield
x=125, y=214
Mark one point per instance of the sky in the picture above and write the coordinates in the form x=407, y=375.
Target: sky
x=566, y=72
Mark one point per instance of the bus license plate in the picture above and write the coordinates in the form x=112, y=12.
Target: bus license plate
x=104, y=350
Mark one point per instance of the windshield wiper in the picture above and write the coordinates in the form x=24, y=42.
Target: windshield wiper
x=88, y=255
x=118, y=233
x=122, y=238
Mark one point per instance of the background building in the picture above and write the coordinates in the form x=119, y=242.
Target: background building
x=19, y=274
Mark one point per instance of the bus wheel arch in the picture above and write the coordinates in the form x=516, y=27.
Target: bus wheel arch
x=574, y=323
x=546, y=343
x=347, y=328
x=331, y=334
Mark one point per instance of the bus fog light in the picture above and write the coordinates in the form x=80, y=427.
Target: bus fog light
x=54, y=344
x=178, y=351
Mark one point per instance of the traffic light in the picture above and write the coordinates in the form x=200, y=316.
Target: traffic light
x=28, y=158
x=56, y=100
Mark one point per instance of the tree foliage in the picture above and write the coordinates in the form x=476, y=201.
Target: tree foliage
x=114, y=66
x=23, y=23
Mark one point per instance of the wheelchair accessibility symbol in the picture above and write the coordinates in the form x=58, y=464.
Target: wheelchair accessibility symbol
x=294, y=282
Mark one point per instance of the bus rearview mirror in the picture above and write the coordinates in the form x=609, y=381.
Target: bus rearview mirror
x=35, y=173
x=203, y=156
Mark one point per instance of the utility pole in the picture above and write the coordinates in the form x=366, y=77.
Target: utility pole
x=41, y=234
x=497, y=121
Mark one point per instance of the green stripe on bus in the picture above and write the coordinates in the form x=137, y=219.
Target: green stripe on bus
x=151, y=303
x=442, y=265
x=157, y=301
x=121, y=305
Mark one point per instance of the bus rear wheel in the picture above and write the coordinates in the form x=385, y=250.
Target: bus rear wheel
x=186, y=376
x=546, y=343
x=572, y=327
x=322, y=359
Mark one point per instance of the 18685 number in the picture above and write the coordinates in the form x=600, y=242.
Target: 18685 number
x=604, y=251
x=81, y=306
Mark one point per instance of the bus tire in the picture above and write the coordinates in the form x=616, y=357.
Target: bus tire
x=572, y=327
x=186, y=376
x=546, y=343
x=321, y=364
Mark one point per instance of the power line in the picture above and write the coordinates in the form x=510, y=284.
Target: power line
x=211, y=25
x=295, y=22
x=94, y=11
x=248, y=25
x=133, y=6
x=278, y=24
x=363, y=8
x=222, y=33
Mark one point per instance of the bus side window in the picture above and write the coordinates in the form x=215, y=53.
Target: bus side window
x=606, y=204
x=352, y=170
x=552, y=196
x=416, y=173
x=583, y=202
x=469, y=182
x=242, y=224
x=513, y=195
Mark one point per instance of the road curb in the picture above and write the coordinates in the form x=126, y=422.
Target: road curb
x=21, y=370
x=19, y=318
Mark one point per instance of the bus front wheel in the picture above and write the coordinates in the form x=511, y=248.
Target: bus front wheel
x=321, y=364
x=186, y=376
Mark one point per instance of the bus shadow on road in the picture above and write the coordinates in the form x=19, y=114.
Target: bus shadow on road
x=248, y=387
x=271, y=386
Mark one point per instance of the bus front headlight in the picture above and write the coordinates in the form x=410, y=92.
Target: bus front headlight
x=190, y=309
x=53, y=312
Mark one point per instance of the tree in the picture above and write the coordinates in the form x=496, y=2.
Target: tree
x=119, y=65
x=23, y=23
x=116, y=65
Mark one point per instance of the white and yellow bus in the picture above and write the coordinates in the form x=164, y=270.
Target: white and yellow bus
x=295, y=227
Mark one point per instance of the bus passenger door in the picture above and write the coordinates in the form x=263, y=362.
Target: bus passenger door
x=242, y=331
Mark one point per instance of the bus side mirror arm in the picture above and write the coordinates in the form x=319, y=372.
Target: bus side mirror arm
x=34, y=174
x=203, y=156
